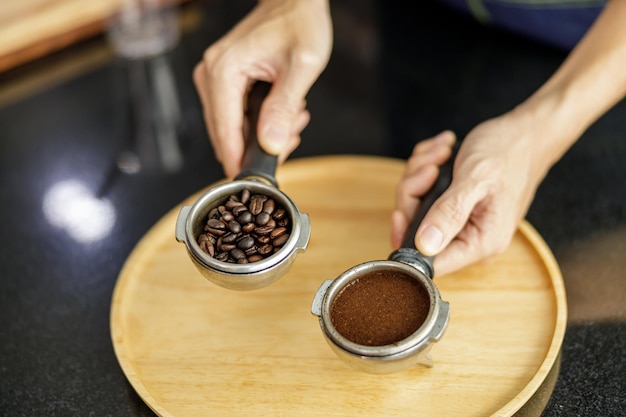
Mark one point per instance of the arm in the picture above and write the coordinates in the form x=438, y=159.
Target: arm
x=502, y=161
x=284, y=42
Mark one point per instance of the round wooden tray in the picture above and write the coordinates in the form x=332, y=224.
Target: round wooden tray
x=190, y=348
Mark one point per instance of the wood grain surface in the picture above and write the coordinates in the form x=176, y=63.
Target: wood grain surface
x=190, y=348
x=31, y=29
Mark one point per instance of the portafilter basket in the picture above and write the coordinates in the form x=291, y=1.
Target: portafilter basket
x=257, y=175
x=406, y=263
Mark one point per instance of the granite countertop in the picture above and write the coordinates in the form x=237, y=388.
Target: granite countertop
x=65, y=127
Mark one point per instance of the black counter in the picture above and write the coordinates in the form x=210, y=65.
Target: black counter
x=392, y=79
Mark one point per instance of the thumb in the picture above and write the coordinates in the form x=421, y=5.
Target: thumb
x=285, y=101
x=445, y=219
x=278, y=113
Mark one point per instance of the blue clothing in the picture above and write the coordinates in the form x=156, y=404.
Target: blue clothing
x=560, y=23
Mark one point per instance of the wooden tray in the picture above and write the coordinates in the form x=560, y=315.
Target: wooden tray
x=190, y=348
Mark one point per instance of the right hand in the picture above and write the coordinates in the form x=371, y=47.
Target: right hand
x=284, y=42
x=496, y=173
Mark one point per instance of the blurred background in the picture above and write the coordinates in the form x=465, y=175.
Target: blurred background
x=101, y=134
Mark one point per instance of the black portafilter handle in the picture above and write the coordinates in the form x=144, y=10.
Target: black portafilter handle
x=407, y=252
x=257, y=164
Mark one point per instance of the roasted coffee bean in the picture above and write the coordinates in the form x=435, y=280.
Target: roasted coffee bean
x=279, y=231
x=244, y=228
x=229, y=237
x=214, y=213
x=226, y=247
x=263, y=230
x=232, y=204
x=269, y=206
x=280, y=240
x=256, y=203
x=239, y=209
x=252, y=250
x=244, y=217
x=234, y=227
x=279, y=214
x=265, y=249
x=216, y=224
x=222, y=256
x=245, y=196
x=246, y=243
x=237, y=254
x=262, y=218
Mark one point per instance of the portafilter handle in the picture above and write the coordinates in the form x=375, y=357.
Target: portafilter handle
x=256, y=162
x=407, y=252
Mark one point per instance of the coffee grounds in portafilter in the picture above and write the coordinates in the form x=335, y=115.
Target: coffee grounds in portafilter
x=380, y=308
x=246, y=228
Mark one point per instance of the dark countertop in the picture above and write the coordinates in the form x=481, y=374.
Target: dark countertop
x=64, y=122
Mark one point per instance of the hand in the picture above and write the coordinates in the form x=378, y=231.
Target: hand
x=284, y=42
x=495, y=176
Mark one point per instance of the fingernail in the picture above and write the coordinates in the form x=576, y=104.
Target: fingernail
x=446, y=136
x=430, y=240
x=275, y=138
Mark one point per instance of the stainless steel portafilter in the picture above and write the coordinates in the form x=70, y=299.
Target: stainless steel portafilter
x=257, y=177
x=353, y=307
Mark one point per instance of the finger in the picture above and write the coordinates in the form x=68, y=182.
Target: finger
x=226, y=102
x=467, y=248
x=447, y=217
x=301, y=122
x=282, y=107
x=412, y=187
x=200, y=81
x=455, y=256
x=434, y=151
x=446, y=138
x=399, y=224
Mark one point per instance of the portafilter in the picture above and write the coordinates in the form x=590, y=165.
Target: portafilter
x=257, y=176
x=353, y=307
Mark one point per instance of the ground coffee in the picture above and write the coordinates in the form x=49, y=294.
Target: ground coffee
x=245, y=228
x=380, y=308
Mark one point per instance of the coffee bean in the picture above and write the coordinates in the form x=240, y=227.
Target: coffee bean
x=234, y=226
x=248, y=227
x=244, y=217
x=214, y=213
x=279, y=214
x=233, y=204
x=256, y=203
x=237, y=254
x=246, y=243
x=280, y=240
x=266, y=249
x=263, y=230
x=244, y=228
x=262, y=218
x=269, y=206
x=279, y=231
x=229, y=237
x=227, y=247
x=237, y=210
x=245, y=196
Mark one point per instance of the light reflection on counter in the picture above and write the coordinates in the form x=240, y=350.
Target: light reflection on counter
x=70, y=205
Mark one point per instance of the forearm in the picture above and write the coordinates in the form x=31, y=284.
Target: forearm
x=589, y=82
